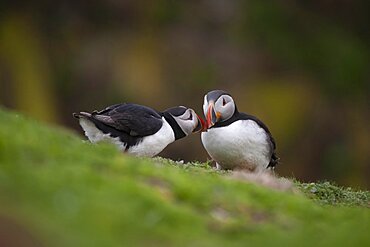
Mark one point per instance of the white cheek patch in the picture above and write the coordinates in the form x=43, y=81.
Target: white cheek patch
x=226, y=110
x=219, y=104
x=186, y=115
x=185, y=125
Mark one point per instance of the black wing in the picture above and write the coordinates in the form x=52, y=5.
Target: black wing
x=132, y=119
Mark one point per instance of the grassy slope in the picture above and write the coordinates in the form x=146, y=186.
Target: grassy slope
x=65, y=192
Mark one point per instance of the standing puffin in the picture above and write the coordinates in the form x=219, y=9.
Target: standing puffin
x=137, y=129
x=233, y=139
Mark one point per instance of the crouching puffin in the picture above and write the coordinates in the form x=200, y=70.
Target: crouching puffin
x=137, y=129
x=233, y=139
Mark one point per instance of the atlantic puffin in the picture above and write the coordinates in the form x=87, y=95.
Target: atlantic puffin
x=233, y=139
x=137, y=129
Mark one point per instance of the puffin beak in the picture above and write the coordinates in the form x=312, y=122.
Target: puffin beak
x=211, y=115
x=201, y=125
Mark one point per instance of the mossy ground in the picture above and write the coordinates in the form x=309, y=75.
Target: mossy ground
x=56, y=190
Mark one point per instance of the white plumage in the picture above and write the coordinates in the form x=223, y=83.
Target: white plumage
x=148, y=147
x=242, y=144
x=154, y=144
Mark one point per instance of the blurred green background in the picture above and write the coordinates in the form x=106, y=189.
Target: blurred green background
x=300, y=66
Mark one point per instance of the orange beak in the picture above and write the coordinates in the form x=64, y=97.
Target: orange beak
x=201, y=125
x=211, y=115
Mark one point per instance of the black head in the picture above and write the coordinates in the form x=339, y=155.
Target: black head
x=218, y=106
x=215, y=94
x=176, y=111
x=183, y=121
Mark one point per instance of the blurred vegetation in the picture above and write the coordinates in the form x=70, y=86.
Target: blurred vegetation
x=302, y=67
x=56, y=190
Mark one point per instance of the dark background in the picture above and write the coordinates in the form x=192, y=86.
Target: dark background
x=300, y=66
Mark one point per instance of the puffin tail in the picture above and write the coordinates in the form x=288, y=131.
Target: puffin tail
x=81, y=115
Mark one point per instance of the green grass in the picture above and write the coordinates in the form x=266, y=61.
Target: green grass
x=328, y=193
x=57, y=190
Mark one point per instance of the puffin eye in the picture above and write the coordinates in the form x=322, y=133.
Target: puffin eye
x=187, y=116
x=223, y=102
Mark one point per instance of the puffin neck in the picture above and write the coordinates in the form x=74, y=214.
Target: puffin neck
x=179, y=133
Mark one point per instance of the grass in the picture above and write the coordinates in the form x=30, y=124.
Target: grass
x=56, y=190
x=329, y=193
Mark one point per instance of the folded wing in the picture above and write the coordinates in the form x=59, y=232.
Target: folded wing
x=134, y=120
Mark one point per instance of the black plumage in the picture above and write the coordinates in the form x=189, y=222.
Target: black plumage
x=132, y=122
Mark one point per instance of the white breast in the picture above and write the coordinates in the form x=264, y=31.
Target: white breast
x=242, y=144
x=148, y=147
x=154, y=144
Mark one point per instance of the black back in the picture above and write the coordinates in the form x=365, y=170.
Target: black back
x=132, y=122
x=243, y=116
x=129, y=122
